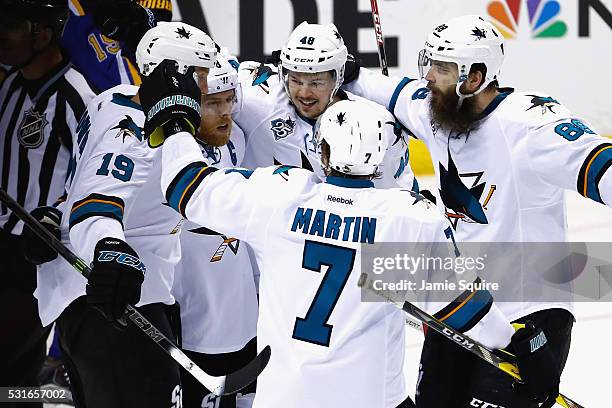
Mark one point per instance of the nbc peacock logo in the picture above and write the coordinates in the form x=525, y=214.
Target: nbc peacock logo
x=542, y=16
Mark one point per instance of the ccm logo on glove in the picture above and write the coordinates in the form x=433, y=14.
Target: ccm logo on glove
x=125, y=259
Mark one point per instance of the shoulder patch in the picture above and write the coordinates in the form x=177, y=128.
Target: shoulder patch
x=545, y=103
x=282, y=127
x=128, y=128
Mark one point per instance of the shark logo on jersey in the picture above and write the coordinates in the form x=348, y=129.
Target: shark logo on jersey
x=305, y=162
x=261, y=74
x=282, y=127
x=283, y=171
x=127, y=128
x=463, y=203
x=418, y=197
x=228, y=242
x=546, y=103
x=232, y=243
x=341, y=118
x=31, y=131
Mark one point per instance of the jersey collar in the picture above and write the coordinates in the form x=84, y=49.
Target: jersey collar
x=125, y=100
x=36, y=88
x=349, y=182
x=503, y=93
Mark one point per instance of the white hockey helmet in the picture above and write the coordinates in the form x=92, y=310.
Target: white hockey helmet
x=314, y=48
x=357, y=135
x=176, y=41
x=224, y=77
x=465, y=41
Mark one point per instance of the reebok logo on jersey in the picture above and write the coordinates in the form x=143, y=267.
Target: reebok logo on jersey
x=538, y=341
x=339, y=200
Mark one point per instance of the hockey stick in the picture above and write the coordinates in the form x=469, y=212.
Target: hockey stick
x=222, y=385
x=382, y=57
x=453, y=335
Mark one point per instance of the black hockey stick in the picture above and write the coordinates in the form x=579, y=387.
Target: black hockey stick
x=453, y=335
x=222, y=385
x=382, y=56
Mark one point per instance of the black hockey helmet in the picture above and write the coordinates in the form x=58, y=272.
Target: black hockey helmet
x=52, y=13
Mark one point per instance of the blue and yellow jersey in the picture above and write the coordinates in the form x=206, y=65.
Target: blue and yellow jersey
x=100, y=59
x=96, y=56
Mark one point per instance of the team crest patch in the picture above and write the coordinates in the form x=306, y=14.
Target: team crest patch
x=282, y=127
x=546, y=103
x=127, y=128
x=31, y=131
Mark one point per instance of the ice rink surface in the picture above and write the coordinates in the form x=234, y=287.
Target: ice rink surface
x=586, y=376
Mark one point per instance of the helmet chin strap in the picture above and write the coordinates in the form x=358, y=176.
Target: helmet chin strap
x=463, y=96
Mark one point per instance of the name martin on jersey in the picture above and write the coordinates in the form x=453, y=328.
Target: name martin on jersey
x=330, y=225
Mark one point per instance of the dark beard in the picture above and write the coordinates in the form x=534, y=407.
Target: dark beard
x=444, y=112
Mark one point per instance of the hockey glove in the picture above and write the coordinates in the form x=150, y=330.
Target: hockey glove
x=171, y=102
x=351, y=69
x=122, y=20
x=35, y=250
x=116, y=277
x=536, y=363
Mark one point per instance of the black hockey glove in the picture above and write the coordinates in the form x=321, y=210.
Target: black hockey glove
x=536, y=363
x=122, y=20
x=351, y=69
x=171, y=102
x=116, y=277
x=274, y=59
x=35, y=250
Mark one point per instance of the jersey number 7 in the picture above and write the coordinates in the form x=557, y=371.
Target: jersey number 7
x=313, y=328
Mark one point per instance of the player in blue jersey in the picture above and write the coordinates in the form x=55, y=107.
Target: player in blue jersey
x=101, y=36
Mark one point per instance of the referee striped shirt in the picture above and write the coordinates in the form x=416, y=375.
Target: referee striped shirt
x=38, y=119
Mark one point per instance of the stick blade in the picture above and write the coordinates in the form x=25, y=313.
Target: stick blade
x=246, y=375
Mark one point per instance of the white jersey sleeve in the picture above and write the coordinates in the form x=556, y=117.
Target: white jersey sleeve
x=113, y=165
x=183, y=173
x=255, y=101
x=564, y=150
x=403, y=97
x=467, y=309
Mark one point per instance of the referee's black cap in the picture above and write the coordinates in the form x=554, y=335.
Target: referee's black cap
x=53, y=13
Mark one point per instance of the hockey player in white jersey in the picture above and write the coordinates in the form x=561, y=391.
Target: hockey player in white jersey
x=329, y=348
x=116, y=219
x=280, y=106
x=503, y=160
x=214, y=283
